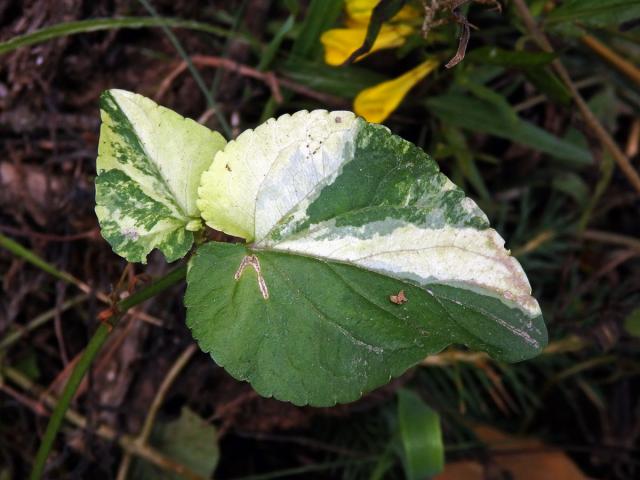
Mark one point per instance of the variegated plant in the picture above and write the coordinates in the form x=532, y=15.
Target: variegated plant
x=359, y=257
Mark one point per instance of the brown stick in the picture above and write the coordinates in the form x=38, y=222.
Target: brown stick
x=622, y=64
x=450, y=357
x=50, y=237
x=227, y=64
x=269, y=78
x=592, y=121
x=612, y=238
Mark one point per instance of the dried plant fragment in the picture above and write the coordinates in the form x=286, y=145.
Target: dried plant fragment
x=431, y=9
x=399, y=299
x=255, y=263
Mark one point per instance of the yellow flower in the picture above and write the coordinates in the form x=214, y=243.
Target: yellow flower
x=340, y=43
x=376, y=103
x=359, y=11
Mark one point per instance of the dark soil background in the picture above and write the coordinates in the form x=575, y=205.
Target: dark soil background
x=582, y=402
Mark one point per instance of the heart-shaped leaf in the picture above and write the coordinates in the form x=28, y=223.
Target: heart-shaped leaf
x=361, y=259
x=150, y=160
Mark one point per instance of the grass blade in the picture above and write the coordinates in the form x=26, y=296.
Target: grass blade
x=98, y=24
x=421, y=436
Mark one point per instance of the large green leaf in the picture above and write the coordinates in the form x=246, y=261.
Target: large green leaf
x=150, y=160
x=340, y=217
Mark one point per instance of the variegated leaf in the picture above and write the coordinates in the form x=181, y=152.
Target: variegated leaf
x=150, y=160
x=361, y=258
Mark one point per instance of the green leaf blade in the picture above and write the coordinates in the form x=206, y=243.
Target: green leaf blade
x=333, y=339
x=341, y=216
x=149, y=164
x=594, y=13
x=480, y=116
x=421, y=436
x=331, y=326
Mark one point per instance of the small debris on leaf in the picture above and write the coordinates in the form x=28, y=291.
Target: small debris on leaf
x=398, y=299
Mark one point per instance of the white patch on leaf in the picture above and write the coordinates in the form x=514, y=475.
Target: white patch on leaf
x=268, y=173
x=180, y=148
x=462, y=257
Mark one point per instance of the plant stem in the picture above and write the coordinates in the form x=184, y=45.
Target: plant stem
x=590, y=119
x=94, y=346
x=618, y=61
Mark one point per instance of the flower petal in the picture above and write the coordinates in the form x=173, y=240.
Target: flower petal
x=376, y=103
x=359, y=11
x=339, y=43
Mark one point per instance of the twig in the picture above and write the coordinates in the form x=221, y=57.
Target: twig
x=612, y=238
x=269, y=78
x=227, y=64
x=158, y=400
x=23, y=399
x=535, y=243
x=126, y=442
x=41, y=319
x=592, y=121
x=537, y=99
x=57, y=324
x=106, y=357
x=622, y=64
x=618, y=258
x=572, y=343
x=50, y=237
x=299, y=440
x=465, y=34
x=633, y=143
